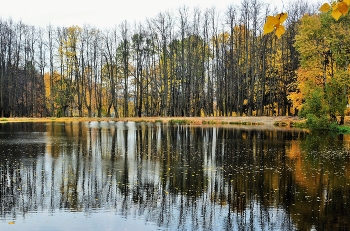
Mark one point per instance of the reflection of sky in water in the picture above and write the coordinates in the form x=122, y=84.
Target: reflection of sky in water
x=125, y=175
x=112, y=220
x=65, y=220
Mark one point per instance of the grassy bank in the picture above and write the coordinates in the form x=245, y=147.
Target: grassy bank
x=282, y=121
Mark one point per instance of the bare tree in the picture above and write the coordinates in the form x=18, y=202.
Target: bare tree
x=124, y=48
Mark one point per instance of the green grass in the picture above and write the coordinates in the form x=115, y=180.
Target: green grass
x=343, y=129
x=298, y=125
x=281, y=124
x=208, y=122
x=236, y=122
x=333, y=127
x=182, y=122
x=246, y=123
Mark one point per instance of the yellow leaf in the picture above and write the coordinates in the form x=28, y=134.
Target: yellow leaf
x=268, y=28
x=343, y=8
x=280, y=31
x=336, y=14
x=347, y=1
x=270, y=24
x=271, y=20
x=325, y=7
x=274, y=22
x=11, y=223
x=282, y=17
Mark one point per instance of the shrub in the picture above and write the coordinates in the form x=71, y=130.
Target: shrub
x=183, y=122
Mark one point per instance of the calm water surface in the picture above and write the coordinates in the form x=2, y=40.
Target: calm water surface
x=149, y=176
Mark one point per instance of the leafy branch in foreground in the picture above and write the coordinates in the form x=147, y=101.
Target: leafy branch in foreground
x=275, y=22
x=339, y=8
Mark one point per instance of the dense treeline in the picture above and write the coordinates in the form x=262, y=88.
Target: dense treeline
x=188, y=62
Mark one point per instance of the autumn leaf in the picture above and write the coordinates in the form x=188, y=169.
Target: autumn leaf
x=338, y=8
x=268, y=28
x=343, y=8
x=282, y=17
x=275, y=22
x=272, y=20
x=280, y=31
x=336, y=14
x=270, y=24
x=325, y=8
x=11, y=223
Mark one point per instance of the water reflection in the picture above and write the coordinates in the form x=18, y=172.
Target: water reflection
x=173, y=177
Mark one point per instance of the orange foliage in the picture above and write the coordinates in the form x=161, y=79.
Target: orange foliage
x=307, y=79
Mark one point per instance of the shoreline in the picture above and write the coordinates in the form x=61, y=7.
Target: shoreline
x=242, y=120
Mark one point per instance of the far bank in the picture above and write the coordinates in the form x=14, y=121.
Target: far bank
x=244, y=120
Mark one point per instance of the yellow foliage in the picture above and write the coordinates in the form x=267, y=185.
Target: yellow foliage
x=310, y=28
x=47, y=85
x=224, y=37
x=307, y=79
x=275, y=22
x=297, y=99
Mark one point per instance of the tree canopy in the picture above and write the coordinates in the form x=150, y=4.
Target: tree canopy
x=323, y=75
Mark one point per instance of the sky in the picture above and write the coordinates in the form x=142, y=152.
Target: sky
x=102, y=13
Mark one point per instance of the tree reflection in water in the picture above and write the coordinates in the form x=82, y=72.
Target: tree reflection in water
x=177, y=177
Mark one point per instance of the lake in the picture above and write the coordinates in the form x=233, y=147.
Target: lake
x=153, y=176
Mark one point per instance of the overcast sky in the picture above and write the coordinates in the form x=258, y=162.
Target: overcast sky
x=102, y=13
